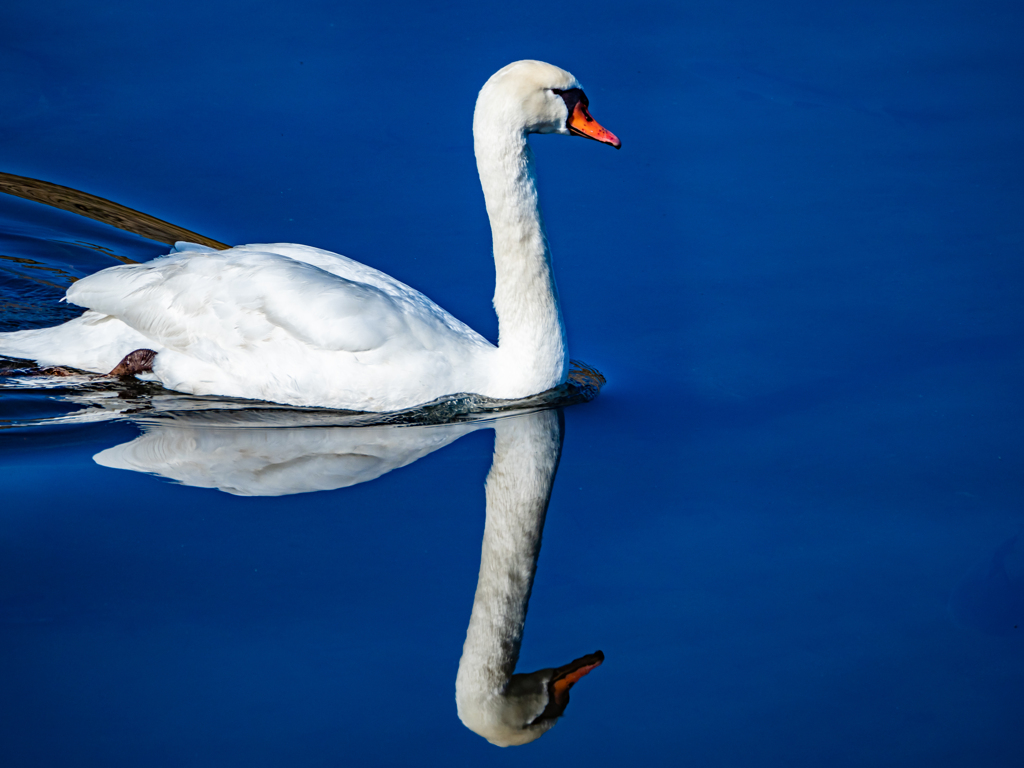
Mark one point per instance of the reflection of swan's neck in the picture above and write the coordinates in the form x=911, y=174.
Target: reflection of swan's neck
x=526, y=453
x=531, y=336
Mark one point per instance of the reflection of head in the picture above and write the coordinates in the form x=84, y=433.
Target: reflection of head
x=528, y=706
x=505, y=708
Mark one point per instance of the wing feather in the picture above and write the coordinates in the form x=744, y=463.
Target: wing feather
x=212, y=304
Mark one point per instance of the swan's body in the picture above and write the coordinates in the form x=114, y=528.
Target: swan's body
x=298, y=325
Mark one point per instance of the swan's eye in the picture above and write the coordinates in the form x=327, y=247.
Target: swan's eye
x=572, y=97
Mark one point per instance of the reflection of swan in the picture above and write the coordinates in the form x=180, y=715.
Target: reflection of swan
x=298, y=325
x=505, y=708
x=216, y=450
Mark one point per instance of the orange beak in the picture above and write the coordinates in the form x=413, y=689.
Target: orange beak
x=582, y=124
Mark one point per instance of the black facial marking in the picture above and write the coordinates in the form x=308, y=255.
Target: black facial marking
x=572, y=98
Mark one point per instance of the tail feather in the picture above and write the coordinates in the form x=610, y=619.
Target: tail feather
x=92, y=342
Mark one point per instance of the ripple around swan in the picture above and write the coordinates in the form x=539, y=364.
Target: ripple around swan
x=29, y=397
x=45, y=248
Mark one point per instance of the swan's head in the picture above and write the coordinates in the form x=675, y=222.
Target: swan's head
x=528, y=707
x=534, y=97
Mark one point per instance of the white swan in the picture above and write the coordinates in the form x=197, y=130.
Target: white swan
x=299, y=325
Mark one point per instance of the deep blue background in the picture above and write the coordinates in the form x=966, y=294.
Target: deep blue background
x=802, y=275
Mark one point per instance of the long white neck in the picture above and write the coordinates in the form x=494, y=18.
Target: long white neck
x=531, y=336
x=526, y=453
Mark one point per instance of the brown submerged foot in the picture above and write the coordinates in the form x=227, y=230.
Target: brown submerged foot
x=139, y=361
x=58, y=370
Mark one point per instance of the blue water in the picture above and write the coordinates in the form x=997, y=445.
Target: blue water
x=789, y=519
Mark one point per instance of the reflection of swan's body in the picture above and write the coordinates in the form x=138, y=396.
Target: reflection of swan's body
x=277, y=461
x=506, y=708
x=299, y=325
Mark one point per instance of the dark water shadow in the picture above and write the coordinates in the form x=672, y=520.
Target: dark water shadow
x=88, y=398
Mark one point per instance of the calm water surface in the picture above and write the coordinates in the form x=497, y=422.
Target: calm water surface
x=792, y=520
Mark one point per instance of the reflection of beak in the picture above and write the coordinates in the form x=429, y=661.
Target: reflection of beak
x=582, y=124
x=567, y=676
x=564, y=678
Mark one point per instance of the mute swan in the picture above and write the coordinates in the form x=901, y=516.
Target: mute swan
x=299, y=325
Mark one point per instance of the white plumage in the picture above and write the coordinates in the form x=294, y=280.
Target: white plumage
x=299, y=325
